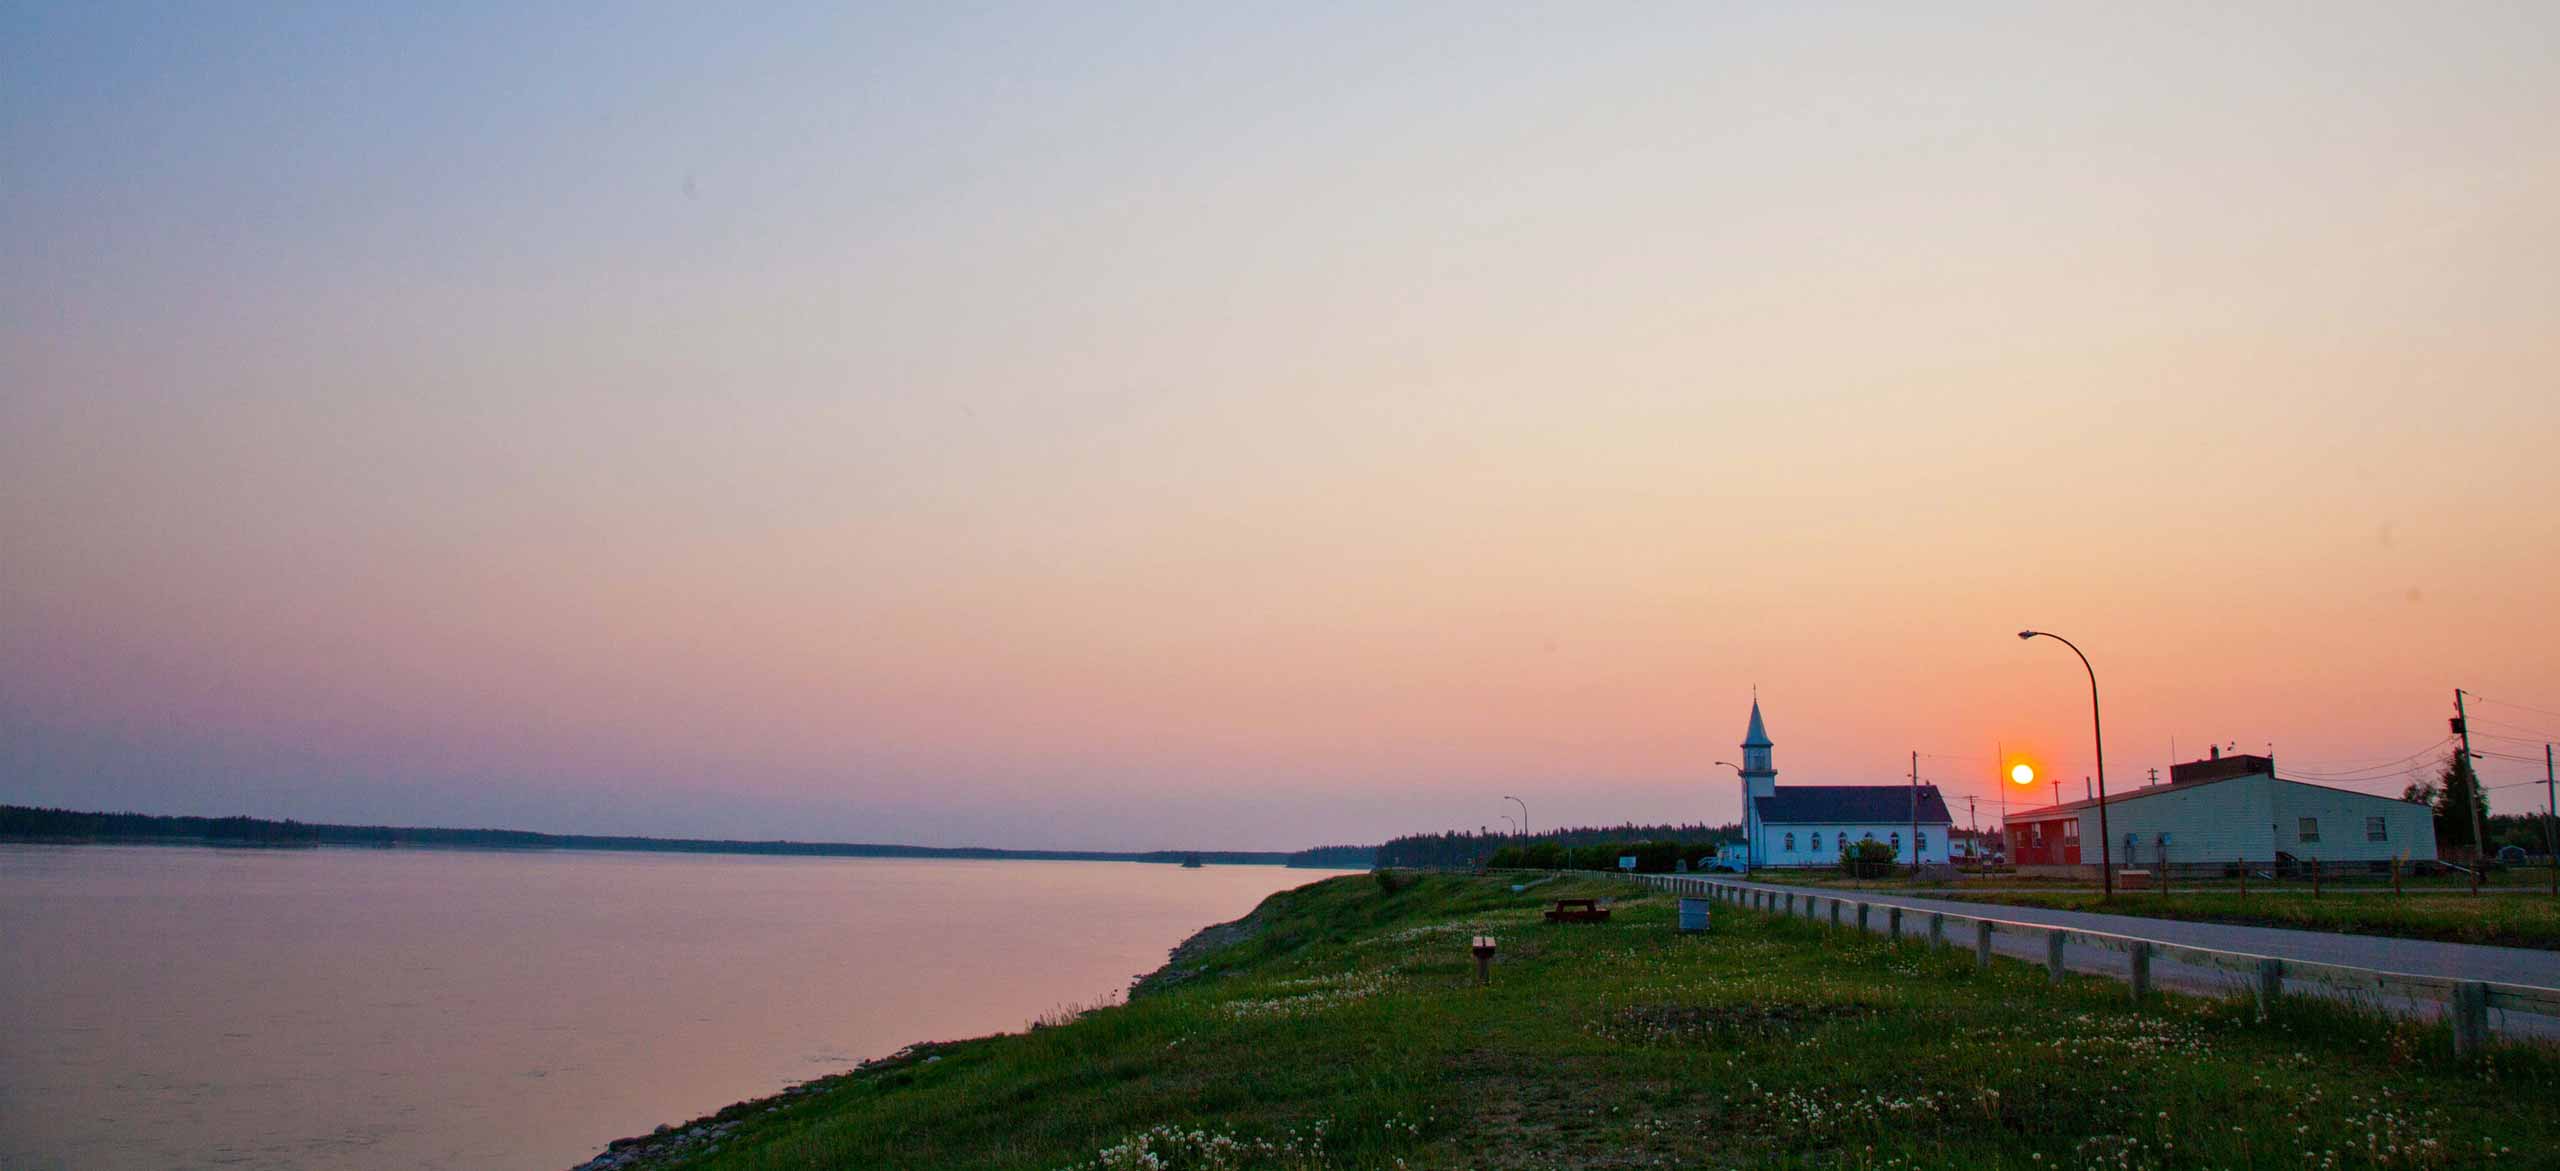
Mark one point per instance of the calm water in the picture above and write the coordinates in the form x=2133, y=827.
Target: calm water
x=171, y=1008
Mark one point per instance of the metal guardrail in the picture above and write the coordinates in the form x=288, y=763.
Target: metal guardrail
x=2467, y=1002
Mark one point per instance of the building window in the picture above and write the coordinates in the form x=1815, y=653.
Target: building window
x=2375, y=830
x=1817, y=843
x=1791, y=843
x=2310, y=829
x=2071, y=830
x=1897, y=841
x=2038, y=829
x=1919, y=843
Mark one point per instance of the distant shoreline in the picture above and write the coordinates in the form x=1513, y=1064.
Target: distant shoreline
x=33, y=826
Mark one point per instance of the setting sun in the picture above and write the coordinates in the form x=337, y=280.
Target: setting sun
x=2023, y=774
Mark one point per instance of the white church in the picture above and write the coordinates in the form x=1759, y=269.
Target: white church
x=1804, y=825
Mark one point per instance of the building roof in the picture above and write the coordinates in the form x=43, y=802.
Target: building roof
x=1758, y=736
x=1851, y=805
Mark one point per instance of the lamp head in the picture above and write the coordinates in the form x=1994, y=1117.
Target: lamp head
x=2026, y=634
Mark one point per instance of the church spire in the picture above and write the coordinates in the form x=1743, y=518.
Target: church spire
x=1758, y=736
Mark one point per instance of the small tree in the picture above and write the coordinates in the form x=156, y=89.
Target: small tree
x=1867, y=857
x=2455, y=794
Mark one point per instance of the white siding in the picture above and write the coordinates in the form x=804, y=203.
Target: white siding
x=2252, y=818
x=2221, y=821
x=2409, y=829
x=1774, y=851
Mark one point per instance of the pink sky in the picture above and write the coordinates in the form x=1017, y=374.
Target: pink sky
x=1227, y=432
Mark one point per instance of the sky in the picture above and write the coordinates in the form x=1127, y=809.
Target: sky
x=1251, y=426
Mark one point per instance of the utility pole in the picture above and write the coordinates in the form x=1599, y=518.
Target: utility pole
x=2155, y=776
x=2551, y=820
x=2462, y=724
x=2000, y=785
x=1915, y=813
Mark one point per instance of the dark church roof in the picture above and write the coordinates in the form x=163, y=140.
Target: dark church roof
x=1851, y=804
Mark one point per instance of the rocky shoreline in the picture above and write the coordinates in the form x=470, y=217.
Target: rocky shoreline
x=663, y=1146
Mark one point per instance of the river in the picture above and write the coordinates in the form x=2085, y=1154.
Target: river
x=294, y=1010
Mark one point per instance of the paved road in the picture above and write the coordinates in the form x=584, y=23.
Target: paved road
x=2506, y=965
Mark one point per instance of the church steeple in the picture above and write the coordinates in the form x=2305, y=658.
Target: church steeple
x=1755, y=751
x=1759, y=780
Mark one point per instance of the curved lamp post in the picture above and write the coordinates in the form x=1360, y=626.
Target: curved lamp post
x=2097, y=731
x=1750, y=839
x=1524, y=815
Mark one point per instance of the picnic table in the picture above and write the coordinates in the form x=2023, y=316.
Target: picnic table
x=1578, y=911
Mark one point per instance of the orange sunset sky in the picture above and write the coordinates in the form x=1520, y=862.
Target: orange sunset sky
x=1127, y=427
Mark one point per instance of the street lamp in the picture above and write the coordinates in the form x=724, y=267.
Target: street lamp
x=1515, y=825
x=1524, y=815
x=2098, y=733
x=1750, y=837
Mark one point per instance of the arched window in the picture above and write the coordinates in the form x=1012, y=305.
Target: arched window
x=1897, y=841
x=1919, y=843
x=1791, y=843
x=1868, y=836
x=1817, y=843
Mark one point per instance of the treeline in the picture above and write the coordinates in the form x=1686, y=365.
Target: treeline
x=24, y=823
x=1657, y=856
x=1337, y=857
x=1477, y=849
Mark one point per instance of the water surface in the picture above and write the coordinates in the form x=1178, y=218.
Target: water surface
x=166, y=1007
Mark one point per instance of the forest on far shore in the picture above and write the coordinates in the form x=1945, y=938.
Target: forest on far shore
x=29, y=824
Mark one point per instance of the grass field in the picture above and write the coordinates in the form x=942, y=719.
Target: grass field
x=1349, y=1032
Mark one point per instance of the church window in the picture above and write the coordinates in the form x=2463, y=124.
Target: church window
x=1791, y=843
x=1919, y=842
x=1817, y=843
x=1897, y=841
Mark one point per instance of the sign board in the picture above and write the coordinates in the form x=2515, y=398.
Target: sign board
x=1626, y=861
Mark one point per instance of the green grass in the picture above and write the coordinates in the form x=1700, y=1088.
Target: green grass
x=1350, y=1033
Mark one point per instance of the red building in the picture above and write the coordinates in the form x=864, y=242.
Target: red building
x=2046, y=837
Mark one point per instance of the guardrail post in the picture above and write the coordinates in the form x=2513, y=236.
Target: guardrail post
x=2141, y=978
x=2053, y=969
x=1893, y=923
x=2470, y=1017
x=1791, y=904
x=1937, y=929
x=2270, y=985
x=1982, y=943
x=1835, y=911
x=1862, y=918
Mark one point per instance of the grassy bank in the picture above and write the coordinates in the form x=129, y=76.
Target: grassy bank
x=1343, y=1028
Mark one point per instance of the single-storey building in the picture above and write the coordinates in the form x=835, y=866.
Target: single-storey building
x=2220, y=813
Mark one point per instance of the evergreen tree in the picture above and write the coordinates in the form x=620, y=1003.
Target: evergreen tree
x=2455, y=793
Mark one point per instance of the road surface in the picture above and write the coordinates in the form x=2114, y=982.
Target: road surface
x=2463, y=961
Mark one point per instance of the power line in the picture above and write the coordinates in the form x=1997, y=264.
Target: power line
x=2509, y=703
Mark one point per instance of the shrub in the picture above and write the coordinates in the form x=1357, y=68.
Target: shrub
x=1867, y=858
